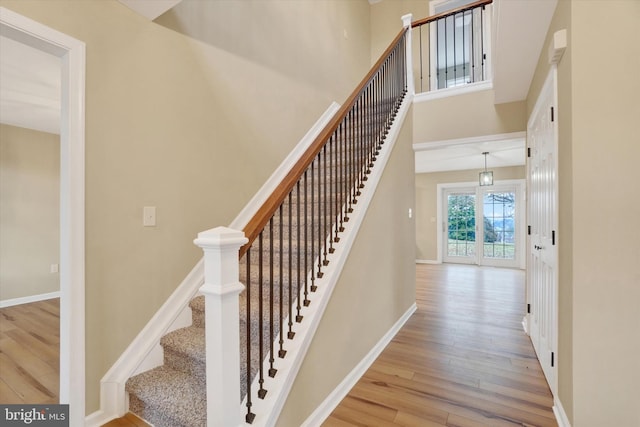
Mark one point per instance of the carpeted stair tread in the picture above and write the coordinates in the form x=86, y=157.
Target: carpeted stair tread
x=189, y=341
x=168, y=398
x=184, y=350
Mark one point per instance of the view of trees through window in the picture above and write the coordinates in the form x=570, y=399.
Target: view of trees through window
x=498, y=222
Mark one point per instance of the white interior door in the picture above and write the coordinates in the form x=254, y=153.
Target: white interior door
x=542, y=283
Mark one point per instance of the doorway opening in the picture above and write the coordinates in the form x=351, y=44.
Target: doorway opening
x=72, y=341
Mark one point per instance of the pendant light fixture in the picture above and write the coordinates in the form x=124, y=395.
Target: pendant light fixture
x=486, y=177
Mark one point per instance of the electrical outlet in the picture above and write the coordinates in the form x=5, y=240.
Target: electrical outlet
x=149, y=216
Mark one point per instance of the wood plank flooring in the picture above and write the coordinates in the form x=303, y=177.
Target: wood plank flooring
x=462, y=360
x=30, y=353
x=129, y=420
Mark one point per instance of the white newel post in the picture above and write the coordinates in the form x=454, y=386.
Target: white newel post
x=221, y=289
x=406, y=23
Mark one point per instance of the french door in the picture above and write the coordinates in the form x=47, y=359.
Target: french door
x=483, y=226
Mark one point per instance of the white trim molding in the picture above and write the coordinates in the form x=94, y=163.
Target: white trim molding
x=525, y=324
x=323, y=411
x=29, y=299
x=561, y=416
x=428, y=261
x=500, y=137
x=453, y=91
x=72, y=189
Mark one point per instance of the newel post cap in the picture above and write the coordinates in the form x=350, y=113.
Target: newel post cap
x=220, y=237
x=406, y=20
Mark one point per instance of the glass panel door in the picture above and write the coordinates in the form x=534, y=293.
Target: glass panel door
x=483, y=225
x=499, y=212
x=461, y=226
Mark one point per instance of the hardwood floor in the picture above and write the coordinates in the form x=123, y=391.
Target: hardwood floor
x=30, y=353
x=129, y=420
x=461, y=360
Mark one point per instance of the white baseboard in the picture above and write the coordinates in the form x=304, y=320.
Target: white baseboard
x=427, y=261
x=325, y=409
x=29, y=299
x=561, y=416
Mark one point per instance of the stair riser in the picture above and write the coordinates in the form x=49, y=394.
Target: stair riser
x=183, y=363
x=158, y=416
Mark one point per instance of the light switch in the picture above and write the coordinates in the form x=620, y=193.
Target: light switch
x=410, y=213
x=54, y=268
x=149, y=216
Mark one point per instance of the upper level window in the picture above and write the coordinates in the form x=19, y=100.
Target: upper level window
x=459, y=44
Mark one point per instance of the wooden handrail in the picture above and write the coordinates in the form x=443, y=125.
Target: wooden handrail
x=257, y=223
x=460, y=9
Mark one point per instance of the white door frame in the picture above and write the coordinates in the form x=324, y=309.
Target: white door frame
x=441, y=207
x=72, y=265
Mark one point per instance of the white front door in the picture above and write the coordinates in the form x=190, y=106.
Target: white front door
x=542, y=283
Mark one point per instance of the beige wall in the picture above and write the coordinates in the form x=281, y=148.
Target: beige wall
x=386, y=21
x=29, y=212
x=191, y=127
x=599, y=275
x=606, y=255
x=426, y=199
x=376, y=287
x=467, y=115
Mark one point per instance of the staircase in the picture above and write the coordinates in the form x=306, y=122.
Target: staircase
x=174, y=394
x=289, y=250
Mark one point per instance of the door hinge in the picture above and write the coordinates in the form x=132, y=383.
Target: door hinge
x=552, y=359
x=528, y=308
x=528, y=151
x=529, y=230
x=553, y=237
x=552, y=116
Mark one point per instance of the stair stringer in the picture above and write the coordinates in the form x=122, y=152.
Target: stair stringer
x=268, y=410
x=145, y=352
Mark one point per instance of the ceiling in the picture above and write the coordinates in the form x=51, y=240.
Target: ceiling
x=150, y=9
x=462, y=154
x=29, y=87
x=518, y=38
